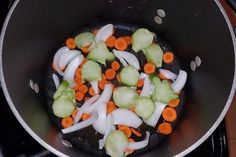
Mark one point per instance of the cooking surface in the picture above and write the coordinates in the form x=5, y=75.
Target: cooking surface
x=15, y=141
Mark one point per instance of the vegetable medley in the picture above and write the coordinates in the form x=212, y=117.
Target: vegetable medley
x=117, y=100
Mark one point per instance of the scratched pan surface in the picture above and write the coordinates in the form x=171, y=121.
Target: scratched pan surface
x=87, y=139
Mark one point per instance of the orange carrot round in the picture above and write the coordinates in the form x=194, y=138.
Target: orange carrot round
x=85, y=49
x=67, y=122
x=128, y=39
x=165, y=128
x=149, y=68
x=168, y=57
x=115, y=65
x=121, y=44
x=70, y=43
x=74, y=113
x=110, y=42
x=79, y=96
x=86, y=116
x=136, y=132
x=83, y=88
x=102, y=83
x=174, y=103
x=111, y=107
x=140, y=83
x=110, y=74
x=104, y=77
x=169, y=114
x=126, y=130
x=91, y=91
x=76, y=87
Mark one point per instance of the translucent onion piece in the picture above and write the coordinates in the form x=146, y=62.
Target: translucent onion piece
x=57, y=57
x=122, y=60
x=56, y=80
x=84, y=107
x=179, y=83
x=152, y=121
x=65, y=58
x=126, y=117
x=168, y=74
x=100, y=124
x=105, y=97
x=71, y=69
x=94, y=84
x=129, y=58
x=146, y=90
x=104, y=32
x=141, y=144
x=82, y=124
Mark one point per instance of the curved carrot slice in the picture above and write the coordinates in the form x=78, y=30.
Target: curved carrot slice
x=126, y=130
x=85, y=49
x=104, y=77
x=140, y=83
x=121, y=44
x=111, y=107
x=79, y=96
x=67, y=122
x=174, y=103
x=128, y=39
x=83, y=88
x=161, y=76
x=169, y=114
x=110, y=74
x=86, y=116
x=115, y=65
x=91, y=91
x=149, y=68
x=102, y=84
x=70, y=43
x=168, y=57
x=165, y=128
x=136, y=132
x=74, y=113
x=110, y=42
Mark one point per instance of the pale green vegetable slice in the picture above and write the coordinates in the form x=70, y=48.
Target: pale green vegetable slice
x=62, y=87
x=145, y=107
x=154, y=54
x=91, y=71
x=84, y=39
x=129, y=76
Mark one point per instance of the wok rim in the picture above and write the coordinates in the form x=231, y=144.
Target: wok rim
x=57, y=152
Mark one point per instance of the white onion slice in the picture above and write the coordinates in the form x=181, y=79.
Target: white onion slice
x=84, y=107
x=109, y=127
x=105, y=97
x=179, y=83
x=57, y=57
x=100, y=124
x=129, y=58
x=122, y=60
x=56, y=80
x=126, y=117
x=141, y=144
x=94, y=85
x=168, y=74
x=146, y=90
x=82, y=124
x=65, y=58
x=152, y=121
x=71, y=69
x=104, y=32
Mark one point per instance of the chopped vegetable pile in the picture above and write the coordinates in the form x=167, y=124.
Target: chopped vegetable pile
x=118, y=94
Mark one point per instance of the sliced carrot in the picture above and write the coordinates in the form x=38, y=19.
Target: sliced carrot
x=128, y=39
x=139, y=91
x=110, y=42
x=165, y=128
x=149, y=68
x=111, y=107
x=118, y=77
x=86, y=98
x=174, y=103
x=76, y=87
x=104, y=77
x=86, y=116
x=168, y=57
x=79, y=96
x=169, y=114
x=102, y=84
x=115, y=65
x=121, y=44
x=126, y=130
x=95, y=31
x=83, y=88
x=140, y=83
x=70, y=43
x=161, y=76
x=85, y=49
x=74, y=113
x=91, y=91
x=67, y=122
x=110, y=74
x=78, y=73
x=136, y=132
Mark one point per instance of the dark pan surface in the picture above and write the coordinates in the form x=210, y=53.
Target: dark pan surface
x=87, y=138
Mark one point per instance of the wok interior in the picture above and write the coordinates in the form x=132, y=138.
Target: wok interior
x=36, y=28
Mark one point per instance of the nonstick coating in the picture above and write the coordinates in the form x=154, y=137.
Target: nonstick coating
x=87, y=139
